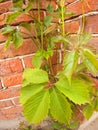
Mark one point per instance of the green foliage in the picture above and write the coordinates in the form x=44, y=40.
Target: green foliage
x=43, y=92
x=36, y=109
x=59, y=107
x=35, y=76
x=76, y=91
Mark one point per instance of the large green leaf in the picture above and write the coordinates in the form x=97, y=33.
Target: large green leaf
x=17, y=39
x=76, y=91
x=90, y=61
x=70, y=62
x=35, y=76
x=29, y=91
x=59, y=107
x=36, y=109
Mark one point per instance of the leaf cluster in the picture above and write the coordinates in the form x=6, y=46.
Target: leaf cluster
x=43, y=92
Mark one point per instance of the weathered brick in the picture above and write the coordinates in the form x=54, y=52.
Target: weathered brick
x=92, y=24
x=72, y=27
x=10, y=113
x=11, y=66
x=6, y=103
x=5, y=6
x=0, y=84
x=93, y=43
x=16, y=100
x=9, y=93
x=19, y=19
x=28, y=47
x=56, y=68
x=28, y=62
x=12, y=80
x=88, y=5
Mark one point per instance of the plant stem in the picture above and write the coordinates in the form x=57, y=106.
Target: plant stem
x=62, y=18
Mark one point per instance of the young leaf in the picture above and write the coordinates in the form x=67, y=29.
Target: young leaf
x=35, y=76
x=61, y=39
x=59, y=107
x=90, y=61
x=37, y=60
x=26, y=25
x=70, y=62
x=47, y=20
x=17, y=39
x=50, y=9
x=36, y=109
x=30, y=90
x=11, y=17
x=8, y=29
x=84, y=39
x=88, y=111
x=8, y=42
x=76, y=91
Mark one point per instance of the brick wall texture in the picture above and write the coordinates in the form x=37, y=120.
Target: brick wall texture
x=14, y=61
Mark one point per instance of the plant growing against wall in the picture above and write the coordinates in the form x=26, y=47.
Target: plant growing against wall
x=44, y=92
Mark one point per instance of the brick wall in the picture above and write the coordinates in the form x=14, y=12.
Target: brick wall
x=13, y=62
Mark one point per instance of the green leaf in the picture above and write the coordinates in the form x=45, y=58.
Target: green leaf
x=61, y=39
x=80, y=68
x=35, y=76
x=88, y=111
x=18, y=3
x=37, y=60
x=8, y=29
x=11, y=17
x=70, y=62
x=28, y=91
x=96, y=104
x=1, y=0
x=7, y=42
x=47, y=20
x=50, y=9
x=36, y=108
x=76, y=91
x=17, y=39
x=26, y=25
x=56, y=125
x=73, y=125
x=84, y=38
x=90, y=61
x=59, y=107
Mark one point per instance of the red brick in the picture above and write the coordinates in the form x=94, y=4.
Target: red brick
x=9, y=93
x=12, y=80
x=10, y=113
x=19, y=19
x=6, y=103
x=57, y=68
x=11, y=66
x=28, y=47
x=93, y=43
x=28, y=62
x=0, y=85
x=89, y=5
x=16, y=100
x=92, y=24
x=72, y=27
x=5, y=6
